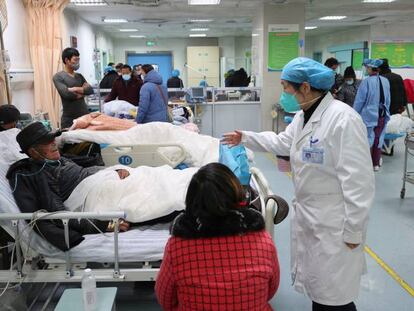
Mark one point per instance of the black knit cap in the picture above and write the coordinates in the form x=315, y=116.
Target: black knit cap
x=9, y=114
x=349, y=73
x=35, y=133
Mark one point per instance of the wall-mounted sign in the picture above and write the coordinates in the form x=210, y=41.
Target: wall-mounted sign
x=73, y=42
x=283, y=45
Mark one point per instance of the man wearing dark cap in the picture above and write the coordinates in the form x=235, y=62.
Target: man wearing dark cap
x=397, y=89
x=9, y=115
x=339, y=79
x=45, y=180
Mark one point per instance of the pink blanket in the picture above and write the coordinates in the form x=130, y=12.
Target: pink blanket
x=96, y=121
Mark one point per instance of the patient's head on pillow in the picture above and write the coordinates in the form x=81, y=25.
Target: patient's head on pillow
x=214, y=192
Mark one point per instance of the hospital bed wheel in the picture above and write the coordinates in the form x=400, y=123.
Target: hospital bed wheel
x=402, y=194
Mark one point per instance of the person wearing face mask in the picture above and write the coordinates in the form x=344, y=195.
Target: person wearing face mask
x=72, y=88
x=339, y=79
x=333, y=180
x=349, y=89
x=45, y=180
x=126, y=87
x=372, y=102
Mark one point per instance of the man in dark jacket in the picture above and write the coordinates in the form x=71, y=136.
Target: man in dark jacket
x=45, y=180
x=126, y=87
x=153, y=104
x=397, y=89
x=339, y=79
x=175, y=82
x=109, y=78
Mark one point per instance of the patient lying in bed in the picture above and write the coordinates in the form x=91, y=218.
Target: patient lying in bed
x=48, y=182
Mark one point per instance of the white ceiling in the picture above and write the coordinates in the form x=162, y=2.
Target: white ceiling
x=170, y=18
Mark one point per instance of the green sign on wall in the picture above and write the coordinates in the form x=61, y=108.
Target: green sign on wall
x=399, y=54
x=357, y=59
x=283, y=45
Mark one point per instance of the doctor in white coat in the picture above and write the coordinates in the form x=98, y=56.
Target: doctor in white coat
x=334, y=184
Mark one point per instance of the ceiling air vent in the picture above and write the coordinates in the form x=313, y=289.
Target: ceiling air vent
x=141, y=3
x=153, y=21
x=367, y=18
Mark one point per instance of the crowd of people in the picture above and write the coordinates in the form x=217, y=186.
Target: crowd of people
x=219, y=252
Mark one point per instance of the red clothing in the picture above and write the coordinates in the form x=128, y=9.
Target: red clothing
x=125, y=90
x=239, y=272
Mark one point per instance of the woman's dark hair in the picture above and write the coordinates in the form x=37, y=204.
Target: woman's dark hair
x=296, y=86
x=111, y=64
x=119, y=66
x=147, y=68
x=214, y=192
x=331, y=62
x=68, y=53
x=349, y=73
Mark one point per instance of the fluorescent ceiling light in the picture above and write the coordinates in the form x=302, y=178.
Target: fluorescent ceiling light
x=201, y=20
x=128, y=30
x=310, y=27
x=88, y=2
x=200, y=29
x=332, y=18
x=115, y=20
x=377, y=1
x=203, y=2
x=137, y=36
x=198, y=35
x=255, y=34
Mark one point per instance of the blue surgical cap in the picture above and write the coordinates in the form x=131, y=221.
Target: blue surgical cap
x=108, y=69
x=304, y=69
x=373, y=63
x=175, y=73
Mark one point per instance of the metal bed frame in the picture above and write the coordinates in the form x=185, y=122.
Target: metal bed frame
x=25, y=269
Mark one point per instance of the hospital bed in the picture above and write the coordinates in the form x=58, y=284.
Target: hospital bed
x=115, y=257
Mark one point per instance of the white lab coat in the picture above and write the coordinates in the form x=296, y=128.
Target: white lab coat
x=331, y=202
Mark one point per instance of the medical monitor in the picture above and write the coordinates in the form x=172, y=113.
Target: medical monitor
x=198, y=93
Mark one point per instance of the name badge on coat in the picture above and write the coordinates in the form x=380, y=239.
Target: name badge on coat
x=313, y=154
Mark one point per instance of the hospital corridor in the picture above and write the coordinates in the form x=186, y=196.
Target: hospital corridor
x=206, y=155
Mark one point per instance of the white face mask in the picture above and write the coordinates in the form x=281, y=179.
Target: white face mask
x=349, y=82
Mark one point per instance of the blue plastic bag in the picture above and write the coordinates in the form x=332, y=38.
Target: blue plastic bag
x=235, y=158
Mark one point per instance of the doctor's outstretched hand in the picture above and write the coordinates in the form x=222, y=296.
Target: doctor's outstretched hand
x=232, y=139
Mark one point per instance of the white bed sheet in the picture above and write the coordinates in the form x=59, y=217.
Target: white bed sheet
x=143, y=244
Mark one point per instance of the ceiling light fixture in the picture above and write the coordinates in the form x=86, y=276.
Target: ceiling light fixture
x=377, y=1
x=332, y=18
x=115, y=20
x=201, y=20
x=310, y=27
x=88, y=2
x=137, y=36
x=203, y=2
x=255, y=34
x=128, y=30
x=198, y=35
x=199, y=29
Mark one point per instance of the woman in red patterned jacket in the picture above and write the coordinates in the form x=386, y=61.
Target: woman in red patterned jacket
x=219, y=256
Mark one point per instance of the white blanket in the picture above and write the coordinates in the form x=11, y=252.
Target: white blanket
x=148, y=193
x=9, y=148
x=200, y=149
x=399, y=124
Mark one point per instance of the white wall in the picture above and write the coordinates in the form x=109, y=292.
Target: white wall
x=89, y=38
x=16, y=42
x=323, y=42
x=178, y=47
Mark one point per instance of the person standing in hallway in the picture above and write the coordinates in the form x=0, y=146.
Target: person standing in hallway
x=126, y=87
x=339, y=79
x=153, y=102
x=109, y=78
x=372, y=102
x=334, y=184
x=72, y=88
x=348, y=90
x=397, y=89
x=175, y=81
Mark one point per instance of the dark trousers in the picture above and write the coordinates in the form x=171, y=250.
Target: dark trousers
x=319, y=307
x=376, y=148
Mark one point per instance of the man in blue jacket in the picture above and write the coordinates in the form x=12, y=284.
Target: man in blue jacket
x=153, y=103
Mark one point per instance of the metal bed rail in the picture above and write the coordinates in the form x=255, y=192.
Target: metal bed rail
x=18, y=275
